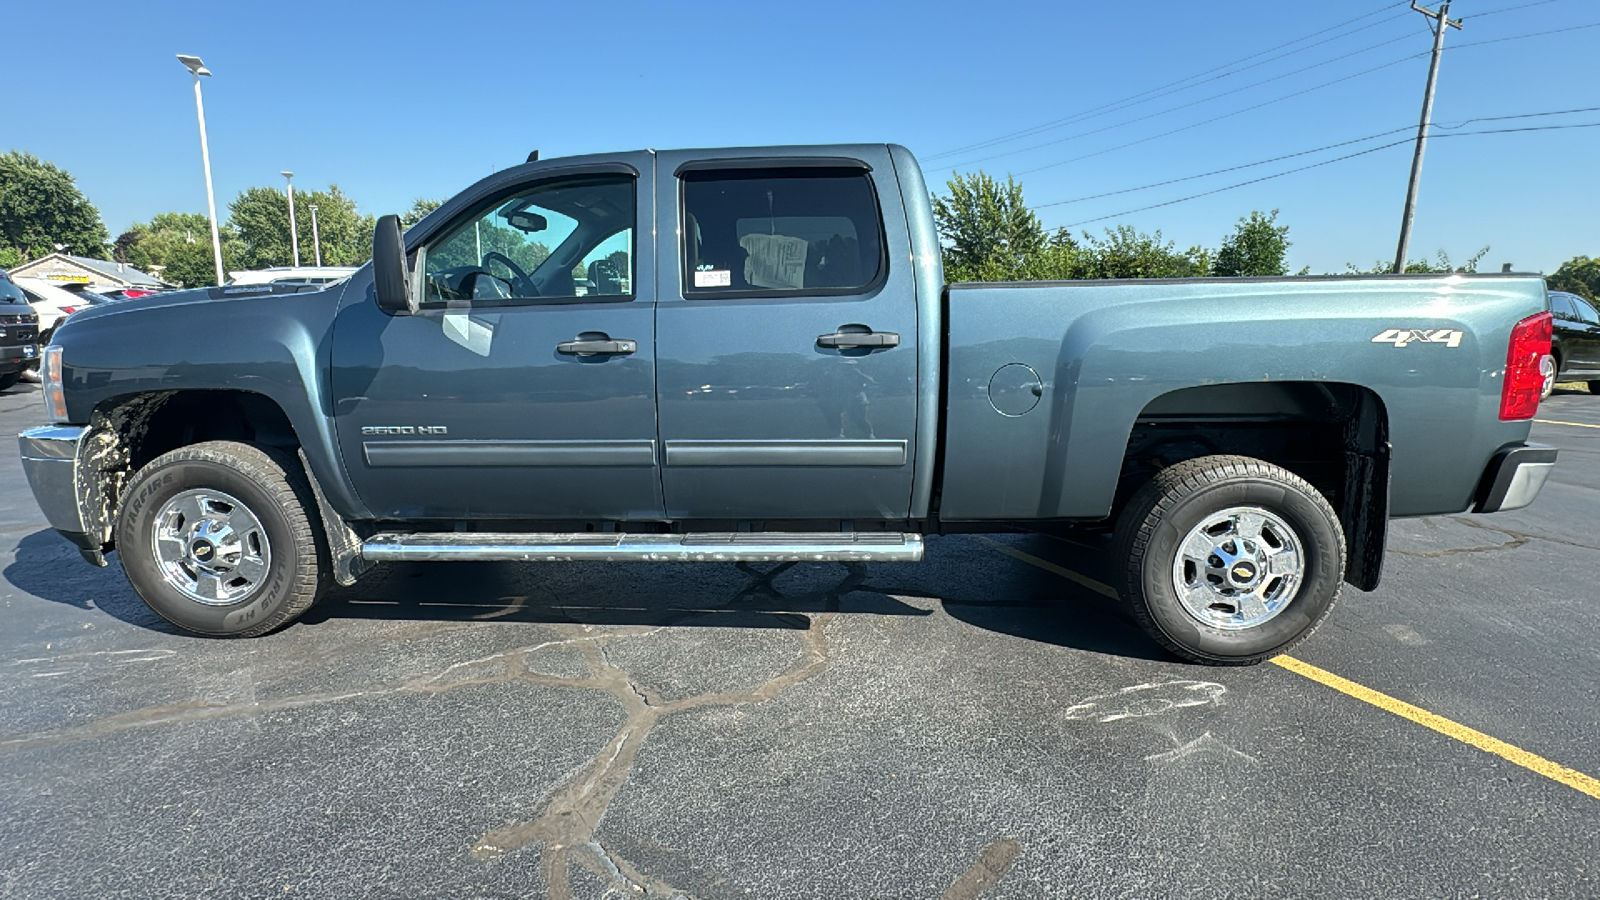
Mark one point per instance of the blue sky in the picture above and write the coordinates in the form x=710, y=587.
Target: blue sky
x=399, y=100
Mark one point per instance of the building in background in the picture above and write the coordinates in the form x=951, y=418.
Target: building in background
x=100, y=275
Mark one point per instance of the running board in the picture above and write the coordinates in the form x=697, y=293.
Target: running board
x=710, y=547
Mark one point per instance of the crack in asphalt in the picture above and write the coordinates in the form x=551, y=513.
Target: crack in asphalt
x=1517, y=539
x=1522, y=535
x=566, y=824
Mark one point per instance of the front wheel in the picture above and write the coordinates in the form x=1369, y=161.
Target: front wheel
x=1594, y=387
x=1229, y=560
x=218, y=540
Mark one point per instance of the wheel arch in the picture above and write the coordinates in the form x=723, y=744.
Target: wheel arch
x=1335, y=435
x=127, y=431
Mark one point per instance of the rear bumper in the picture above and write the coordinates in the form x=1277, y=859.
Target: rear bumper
x=50, y=459
x=1514, y=477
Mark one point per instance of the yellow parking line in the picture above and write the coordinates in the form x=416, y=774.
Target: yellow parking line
x=1068, y=574
x=1530, y=761
x=1573, y=424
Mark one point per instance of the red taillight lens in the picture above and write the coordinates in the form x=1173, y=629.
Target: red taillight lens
x=69, y=310
x=1524, y=384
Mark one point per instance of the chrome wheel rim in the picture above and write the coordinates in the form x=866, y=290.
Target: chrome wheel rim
x=210, y=547
x=1238, y=568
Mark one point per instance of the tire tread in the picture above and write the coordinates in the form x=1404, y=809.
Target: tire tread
x=288, y=486
x=1147, y=510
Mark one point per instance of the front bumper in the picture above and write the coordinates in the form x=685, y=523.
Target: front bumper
x=50, y=457
x=1514, y=477
x=13, y=358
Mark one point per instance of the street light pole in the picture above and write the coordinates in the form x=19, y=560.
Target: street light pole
x=316, y=237
x=1441, y=21
x=198, y=68
x=294, y=233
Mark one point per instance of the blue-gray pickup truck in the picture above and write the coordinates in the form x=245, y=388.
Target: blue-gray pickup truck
x=751, y=354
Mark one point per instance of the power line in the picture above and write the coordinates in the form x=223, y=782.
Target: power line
x=1261, y=105
x=1263, y=162
x=1146, y=187
x=1183, y=106
x=1518, y=37
x=1556, y=112
x=1229, y=115
x=1494, y=12
x=1027, y=132
x=1317, y=165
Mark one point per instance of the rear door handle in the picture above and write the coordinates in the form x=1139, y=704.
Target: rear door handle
x=597, y=348
x=847, y=340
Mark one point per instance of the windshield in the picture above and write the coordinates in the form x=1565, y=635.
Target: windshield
x=9, y=292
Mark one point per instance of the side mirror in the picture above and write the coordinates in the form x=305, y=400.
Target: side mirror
x=391, y=281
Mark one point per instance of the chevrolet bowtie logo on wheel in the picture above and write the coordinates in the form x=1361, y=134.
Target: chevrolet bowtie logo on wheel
x=1400, y=337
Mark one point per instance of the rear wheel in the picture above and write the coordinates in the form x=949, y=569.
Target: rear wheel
x=217, y=538
x=9, y=380
x=1594, y=387
x=1229, y=560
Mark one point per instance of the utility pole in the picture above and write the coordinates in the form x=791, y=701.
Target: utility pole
x=316, y=237
x=1441, y=21
x=294, y=233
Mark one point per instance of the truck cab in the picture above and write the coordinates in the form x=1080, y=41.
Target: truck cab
x=688, y=335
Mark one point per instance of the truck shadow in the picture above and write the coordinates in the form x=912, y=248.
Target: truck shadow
x=970, y=582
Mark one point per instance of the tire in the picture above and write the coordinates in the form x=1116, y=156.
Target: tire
x=9, y=380
x=1207, y=508
x=213, y=501
x=1594, y=387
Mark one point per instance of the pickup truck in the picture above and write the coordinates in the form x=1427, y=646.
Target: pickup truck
x=751, y=354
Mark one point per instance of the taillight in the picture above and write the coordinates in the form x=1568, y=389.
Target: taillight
x=1524, y=381
x=54, y=390
x=69, y=310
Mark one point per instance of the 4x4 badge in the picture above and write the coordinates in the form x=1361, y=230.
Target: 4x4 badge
x=1400, y=337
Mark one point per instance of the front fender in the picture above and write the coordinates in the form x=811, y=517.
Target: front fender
x=277, y=346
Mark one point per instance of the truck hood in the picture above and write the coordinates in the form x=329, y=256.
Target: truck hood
x=246, y=293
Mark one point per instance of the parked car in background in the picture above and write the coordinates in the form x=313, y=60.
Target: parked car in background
x=292, y=275
x=19, y=332
x=1575, y=342
x=127, y=294
x=54, y=301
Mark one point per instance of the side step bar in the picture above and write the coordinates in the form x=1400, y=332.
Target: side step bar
x=709, y=547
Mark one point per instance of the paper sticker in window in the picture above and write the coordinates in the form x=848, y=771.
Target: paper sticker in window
x=708, y=278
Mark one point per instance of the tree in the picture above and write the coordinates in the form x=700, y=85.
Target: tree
x=1126, y=252
x=260, y=217
x=1256, y=247
x=41, y=206
x=990, y=234
x=419, y=207
x=1579, y=275
x=176, y=247
x=1440, y=266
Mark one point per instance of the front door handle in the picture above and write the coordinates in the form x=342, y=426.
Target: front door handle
x=598, y=347
x=849, y=340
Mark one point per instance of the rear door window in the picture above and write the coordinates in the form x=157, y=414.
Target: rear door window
x=774, y=232
x=1586, y=313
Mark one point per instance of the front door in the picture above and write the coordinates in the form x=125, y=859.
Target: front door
x=786, y=339
x=525, y=386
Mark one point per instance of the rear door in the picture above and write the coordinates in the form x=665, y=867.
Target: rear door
x=525, y=386
x=1589, y=323
x=786, y=337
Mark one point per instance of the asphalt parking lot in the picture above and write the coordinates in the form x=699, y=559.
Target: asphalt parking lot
x=986, y=723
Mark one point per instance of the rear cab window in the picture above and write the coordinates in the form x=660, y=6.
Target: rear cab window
x=777, y=231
